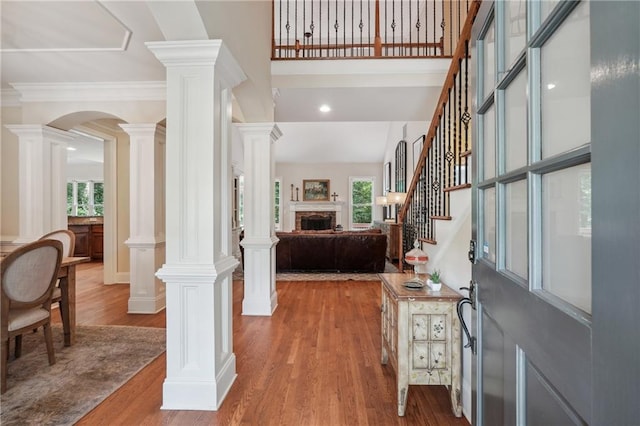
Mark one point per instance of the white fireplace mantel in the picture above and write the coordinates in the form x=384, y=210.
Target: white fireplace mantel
x=314, y=206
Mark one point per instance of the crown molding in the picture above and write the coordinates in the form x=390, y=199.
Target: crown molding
x=10, y=98
x=97, y=91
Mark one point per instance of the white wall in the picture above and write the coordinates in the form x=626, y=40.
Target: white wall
x=414, y=130
x=9, y=225
x=85, y=171
x=450, y=257
x=338, y=174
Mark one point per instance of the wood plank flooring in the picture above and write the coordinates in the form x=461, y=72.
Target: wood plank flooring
x=316, y=361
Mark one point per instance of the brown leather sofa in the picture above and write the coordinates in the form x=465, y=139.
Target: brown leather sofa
x=331, y=251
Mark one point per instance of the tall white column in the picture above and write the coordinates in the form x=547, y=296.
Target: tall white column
x=201, y=365
x=260, y=296
x=42, y=179
x=146, y=211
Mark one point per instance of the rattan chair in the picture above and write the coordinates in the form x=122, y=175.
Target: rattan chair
x=28, y=277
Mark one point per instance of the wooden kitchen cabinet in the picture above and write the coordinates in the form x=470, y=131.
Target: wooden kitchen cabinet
x=97, y=239
x=82, y=246
x=89, y=240
x=421, y=338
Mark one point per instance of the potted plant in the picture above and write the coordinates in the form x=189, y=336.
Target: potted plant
x=434, y=280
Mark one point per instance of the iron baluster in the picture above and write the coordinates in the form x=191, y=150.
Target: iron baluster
x=455, y=128
x=467, y=116
x=459, y=150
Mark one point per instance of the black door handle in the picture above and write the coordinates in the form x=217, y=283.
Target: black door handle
x=471, y=341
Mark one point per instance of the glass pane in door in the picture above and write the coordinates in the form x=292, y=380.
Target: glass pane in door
x=489, y=143
x=489, y=60
x=516, y=258
x=489, y=224
x=547, y=7
x=566, y=85
x=515, y=29
x=516, y=123
x=566, y=235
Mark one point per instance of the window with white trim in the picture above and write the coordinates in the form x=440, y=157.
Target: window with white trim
x=85, y=198
x=361, y=202
x=237, y=217
x=277, y=194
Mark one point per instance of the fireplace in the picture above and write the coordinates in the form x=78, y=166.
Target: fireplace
x=315, y=220
x=300, y=209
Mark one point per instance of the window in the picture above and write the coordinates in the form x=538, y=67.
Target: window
x=277, y=203
x=237, y=217
x=85, y=198
x=361, y=196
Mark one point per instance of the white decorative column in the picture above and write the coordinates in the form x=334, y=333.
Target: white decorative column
x=42, y=179
x=260, y=296
x=201, y=365
x=146, y=212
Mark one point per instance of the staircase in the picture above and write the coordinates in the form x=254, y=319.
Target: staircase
x=444, y=166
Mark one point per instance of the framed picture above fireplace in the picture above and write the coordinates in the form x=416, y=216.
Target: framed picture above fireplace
x=315, y=190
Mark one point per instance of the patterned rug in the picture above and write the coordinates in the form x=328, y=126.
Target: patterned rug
x=323, y=276
x=101, y=361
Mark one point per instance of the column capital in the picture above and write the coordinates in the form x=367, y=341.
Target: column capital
x=199, y=53
x=143, y=129
x=40, y=131
x=259, y=129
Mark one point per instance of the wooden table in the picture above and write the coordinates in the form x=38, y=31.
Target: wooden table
x=421, y=337
x=67, y=276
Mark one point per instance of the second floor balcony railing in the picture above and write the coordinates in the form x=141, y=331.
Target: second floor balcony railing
x=321, y=29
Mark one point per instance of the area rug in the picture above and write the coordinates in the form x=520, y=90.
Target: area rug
x=324, y=276
x=102, y=359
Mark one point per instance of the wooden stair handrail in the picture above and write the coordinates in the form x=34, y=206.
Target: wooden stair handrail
x=454, y=68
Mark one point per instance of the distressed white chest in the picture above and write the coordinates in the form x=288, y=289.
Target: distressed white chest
x=421, y=337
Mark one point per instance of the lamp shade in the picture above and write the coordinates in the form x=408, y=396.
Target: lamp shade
x=396, y=197
x=382, y=201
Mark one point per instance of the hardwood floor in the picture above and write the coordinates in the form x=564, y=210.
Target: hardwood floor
x=316, y=361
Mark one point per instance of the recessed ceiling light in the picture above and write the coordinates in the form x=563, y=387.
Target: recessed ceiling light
x=325, y=108
x=70, y=148
x=550, y=86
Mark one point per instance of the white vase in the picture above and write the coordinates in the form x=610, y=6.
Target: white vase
x=434, y=286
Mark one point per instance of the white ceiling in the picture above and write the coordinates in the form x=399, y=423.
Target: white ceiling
x=90, y=41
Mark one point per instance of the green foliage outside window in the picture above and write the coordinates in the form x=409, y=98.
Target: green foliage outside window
x=361, y=200
x=98, y=198
x=83, y=199
x=277, y=202
x=69, y=198
x=362, y=214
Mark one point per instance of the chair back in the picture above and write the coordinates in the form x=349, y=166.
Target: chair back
x=66, y=237
x=29, y=274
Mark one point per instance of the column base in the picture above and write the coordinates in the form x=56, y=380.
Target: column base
x=146, y=291
x=146, y=305
x=257, y=307
x=260, y=296
x=198, y=394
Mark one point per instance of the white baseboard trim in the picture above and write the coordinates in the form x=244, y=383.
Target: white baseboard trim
x=147, y=305
x=253, y=307
x=200, y=395
x=122, y=278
